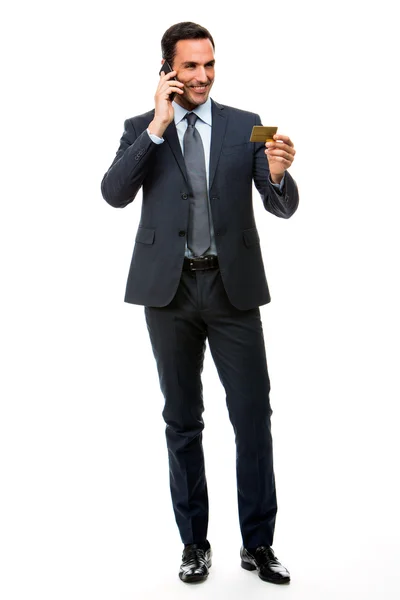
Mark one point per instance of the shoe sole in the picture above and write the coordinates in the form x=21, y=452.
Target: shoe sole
x=250, y=567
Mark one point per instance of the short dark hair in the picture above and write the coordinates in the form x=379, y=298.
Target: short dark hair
x=182, y=31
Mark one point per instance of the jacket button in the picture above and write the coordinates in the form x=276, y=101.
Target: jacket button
x=184, y=196
x=214, y=198
x=182, y=233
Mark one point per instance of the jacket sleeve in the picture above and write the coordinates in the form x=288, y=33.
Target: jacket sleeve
x=280, y=203
x=125, y=176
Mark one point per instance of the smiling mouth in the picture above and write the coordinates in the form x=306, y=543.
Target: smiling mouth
x=199, y=88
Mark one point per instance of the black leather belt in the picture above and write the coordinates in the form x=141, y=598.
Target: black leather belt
x=201, y=263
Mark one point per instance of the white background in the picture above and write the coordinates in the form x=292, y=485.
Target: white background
x=85, y=505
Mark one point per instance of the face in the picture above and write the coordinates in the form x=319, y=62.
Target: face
x=194, y=64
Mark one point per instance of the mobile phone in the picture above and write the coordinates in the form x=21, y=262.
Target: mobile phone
x=166, y=68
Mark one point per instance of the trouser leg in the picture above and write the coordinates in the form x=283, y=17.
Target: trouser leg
x=237, y=345
x=178, y=339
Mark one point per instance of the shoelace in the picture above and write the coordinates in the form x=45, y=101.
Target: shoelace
x=193, y=554
x=263, y=552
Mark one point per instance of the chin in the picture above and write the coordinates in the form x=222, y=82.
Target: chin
x=198, y=100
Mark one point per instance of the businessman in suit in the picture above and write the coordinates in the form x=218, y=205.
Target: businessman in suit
x=197, y=269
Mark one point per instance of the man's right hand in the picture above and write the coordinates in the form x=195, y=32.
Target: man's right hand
x=164, y=111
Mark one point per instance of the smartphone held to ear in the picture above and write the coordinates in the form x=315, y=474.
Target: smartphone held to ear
x=166, y=68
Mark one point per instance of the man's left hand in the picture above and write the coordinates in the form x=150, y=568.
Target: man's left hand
x=280, y=154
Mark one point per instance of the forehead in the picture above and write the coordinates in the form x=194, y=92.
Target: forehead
x=198, y=51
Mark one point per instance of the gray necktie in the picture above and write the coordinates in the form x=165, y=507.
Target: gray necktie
x=199, y=225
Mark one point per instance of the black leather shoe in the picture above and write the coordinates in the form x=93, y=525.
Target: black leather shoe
x=264, y=560
x=196, y=560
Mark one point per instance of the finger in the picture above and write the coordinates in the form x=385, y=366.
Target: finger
x=284, y=138
x=283, y=147
x=172, y=90
x=174, y=85
x=280, y=146
x=166, y=85
x=168, y=75
x=285, y=162
x=286, y=152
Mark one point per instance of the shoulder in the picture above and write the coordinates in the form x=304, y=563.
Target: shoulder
x=237, y=113
x=141, y=121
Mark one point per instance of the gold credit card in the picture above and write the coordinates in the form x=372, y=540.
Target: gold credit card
x=263, y=134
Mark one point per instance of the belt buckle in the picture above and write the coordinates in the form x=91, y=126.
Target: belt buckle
x=201, y=261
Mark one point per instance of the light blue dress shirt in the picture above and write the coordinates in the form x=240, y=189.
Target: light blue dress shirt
x=203, y=126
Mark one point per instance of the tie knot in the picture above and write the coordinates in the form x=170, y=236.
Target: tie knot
x=191, y=119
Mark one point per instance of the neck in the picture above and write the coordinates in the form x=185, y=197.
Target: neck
x=185, y=104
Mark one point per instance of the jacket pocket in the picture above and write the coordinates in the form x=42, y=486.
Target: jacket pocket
x=145, y=236
x=251, y=237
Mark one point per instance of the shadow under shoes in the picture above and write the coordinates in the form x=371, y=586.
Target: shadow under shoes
x=264, y=560
x=196, y=561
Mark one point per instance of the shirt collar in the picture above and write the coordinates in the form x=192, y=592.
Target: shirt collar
x=203, y=111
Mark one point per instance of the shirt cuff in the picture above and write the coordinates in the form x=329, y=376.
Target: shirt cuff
x=154, y=138
x=278, y=185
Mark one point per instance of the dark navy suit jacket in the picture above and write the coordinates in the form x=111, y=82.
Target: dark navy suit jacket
x=157, y=259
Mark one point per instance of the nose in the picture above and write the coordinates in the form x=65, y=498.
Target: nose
x=201, y=74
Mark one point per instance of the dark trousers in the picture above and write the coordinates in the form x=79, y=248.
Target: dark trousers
x=178, y=332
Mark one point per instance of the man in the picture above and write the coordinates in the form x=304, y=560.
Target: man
x=198, y=271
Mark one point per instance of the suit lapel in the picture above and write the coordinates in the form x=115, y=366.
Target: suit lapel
x=219, y=122
x=171, y=135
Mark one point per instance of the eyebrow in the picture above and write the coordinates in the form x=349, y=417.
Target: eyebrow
x=189, y=63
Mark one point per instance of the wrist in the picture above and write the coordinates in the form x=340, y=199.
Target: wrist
x=276, y=178
x=157, y=127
